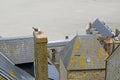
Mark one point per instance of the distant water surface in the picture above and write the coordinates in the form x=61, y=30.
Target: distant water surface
x=57, y=18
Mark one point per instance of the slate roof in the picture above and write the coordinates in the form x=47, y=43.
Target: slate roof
x=21, y=49
x=52, y=72
x=10, y=71
x=83, y=52
x=18, y=49
x=103, y=29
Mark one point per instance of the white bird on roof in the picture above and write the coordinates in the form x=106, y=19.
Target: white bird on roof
x=35, y=29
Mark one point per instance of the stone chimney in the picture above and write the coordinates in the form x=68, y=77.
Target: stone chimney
x=40, y=55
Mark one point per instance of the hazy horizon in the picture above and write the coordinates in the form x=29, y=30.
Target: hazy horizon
x=55, y=18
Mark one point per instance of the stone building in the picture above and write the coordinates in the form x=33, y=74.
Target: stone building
x=20, y=51
x=103, y=33
x=83, y=58
x=113, y=65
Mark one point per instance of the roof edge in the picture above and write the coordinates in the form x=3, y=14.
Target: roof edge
x=113, y=53
x=86, y=69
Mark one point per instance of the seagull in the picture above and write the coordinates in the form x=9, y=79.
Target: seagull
x=35, y=29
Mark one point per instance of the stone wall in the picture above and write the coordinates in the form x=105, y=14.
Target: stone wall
x=86, y=75
x=63, y=71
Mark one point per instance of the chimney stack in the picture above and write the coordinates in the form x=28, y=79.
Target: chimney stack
x=40, y=55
